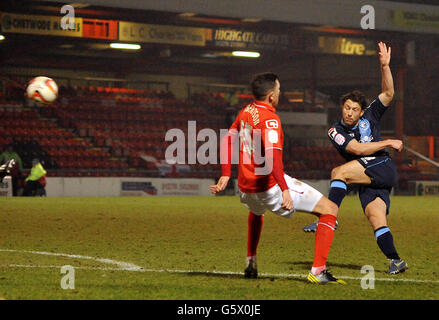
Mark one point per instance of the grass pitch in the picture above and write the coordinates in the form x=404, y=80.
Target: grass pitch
x=175, y=248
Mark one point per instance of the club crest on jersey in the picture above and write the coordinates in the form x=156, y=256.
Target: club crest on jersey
x=364, y=124
x=272, y=124
x=365, y=131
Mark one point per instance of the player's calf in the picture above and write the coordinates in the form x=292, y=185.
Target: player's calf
x=324, y=233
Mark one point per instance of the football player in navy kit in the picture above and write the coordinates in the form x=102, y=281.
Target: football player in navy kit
x=357, y=138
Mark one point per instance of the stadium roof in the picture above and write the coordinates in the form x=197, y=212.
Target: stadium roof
x=280, y=42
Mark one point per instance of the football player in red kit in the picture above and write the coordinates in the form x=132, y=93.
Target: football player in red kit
x=262, y=181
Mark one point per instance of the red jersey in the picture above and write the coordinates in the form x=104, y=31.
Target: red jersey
x=260, y=134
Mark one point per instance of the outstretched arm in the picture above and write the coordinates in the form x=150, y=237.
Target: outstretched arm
x=366, y=149
x=386, y=96
x=227, y=147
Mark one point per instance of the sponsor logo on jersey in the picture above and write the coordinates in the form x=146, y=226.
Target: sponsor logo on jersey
x=337, y=137
x=366, y=160
x=273, y=137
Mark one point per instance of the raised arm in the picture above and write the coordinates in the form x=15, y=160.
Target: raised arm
x=386, y=95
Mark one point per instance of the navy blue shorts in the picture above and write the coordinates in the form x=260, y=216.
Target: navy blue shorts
x=368, y=194
x=382, y=172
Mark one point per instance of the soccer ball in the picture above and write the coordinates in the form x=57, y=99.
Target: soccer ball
x=42, y=89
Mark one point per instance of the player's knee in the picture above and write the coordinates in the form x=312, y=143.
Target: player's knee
x=336, y=173
x=328, y=207
x=332, y=209
x=339, y=173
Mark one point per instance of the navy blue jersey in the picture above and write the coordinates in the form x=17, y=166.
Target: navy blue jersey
x=367, y=130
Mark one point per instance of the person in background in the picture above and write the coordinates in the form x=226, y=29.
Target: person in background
x=36, y=181
x=6, y=168
x=17, y=167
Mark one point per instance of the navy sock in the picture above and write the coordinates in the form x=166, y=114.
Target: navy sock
x=385, y=242
x=338, y=191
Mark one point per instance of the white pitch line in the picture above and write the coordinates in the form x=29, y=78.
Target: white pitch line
x=126, y=266
x=275, y=275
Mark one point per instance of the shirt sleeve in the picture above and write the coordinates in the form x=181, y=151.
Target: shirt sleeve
x=339, y=137
x=272, y=134
x=278, y=171
x=272, y=137
x=375, y=110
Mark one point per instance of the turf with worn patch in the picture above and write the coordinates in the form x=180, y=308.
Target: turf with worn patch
x=194, y=248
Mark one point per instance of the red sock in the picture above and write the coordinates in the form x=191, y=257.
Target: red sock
x=324, y=235
x=254, y=233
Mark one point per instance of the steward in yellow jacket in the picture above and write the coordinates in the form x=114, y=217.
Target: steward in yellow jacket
x=36, y=181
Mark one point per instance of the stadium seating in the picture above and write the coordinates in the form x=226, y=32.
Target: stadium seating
x=101, y=131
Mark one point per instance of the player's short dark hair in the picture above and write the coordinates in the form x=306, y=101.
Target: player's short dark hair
x=262, y=84
x=355, y=96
